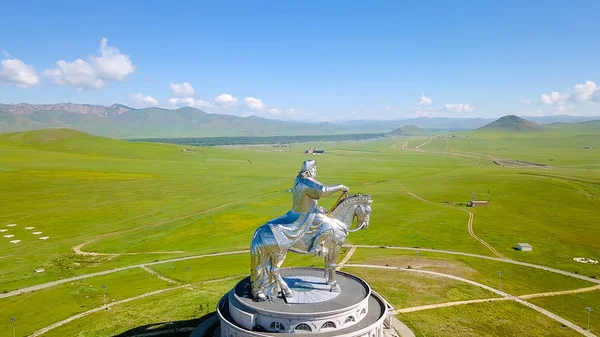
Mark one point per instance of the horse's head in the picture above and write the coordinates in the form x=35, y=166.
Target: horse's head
x=355, y=206
x=363, y=213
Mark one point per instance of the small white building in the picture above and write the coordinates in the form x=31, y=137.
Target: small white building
x=524, y=247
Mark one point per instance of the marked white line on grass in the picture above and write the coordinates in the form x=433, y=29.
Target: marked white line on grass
x=44, y=238
x=15, y=241
x=3, y=230
x=8, y=236
x=29, y=228
x=11, y=225
x=36, y=233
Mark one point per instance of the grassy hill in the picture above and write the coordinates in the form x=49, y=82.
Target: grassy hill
x=409, y=130
x=510, y=123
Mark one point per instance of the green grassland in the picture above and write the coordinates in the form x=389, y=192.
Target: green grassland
x=572, y=307
x=158, y=202
x=515, y=279
x=405, y=289
x=483, y=319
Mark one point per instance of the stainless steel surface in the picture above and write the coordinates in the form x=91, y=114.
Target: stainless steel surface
x=307, y=229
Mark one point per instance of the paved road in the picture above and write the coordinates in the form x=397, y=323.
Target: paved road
x=81, y=277
x=109, y=305
x=553, y=270
x=496, y=291
x=400, y=327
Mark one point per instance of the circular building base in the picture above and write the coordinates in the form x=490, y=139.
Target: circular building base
x=355, y=311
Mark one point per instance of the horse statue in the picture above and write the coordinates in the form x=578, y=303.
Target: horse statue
x=273, y=240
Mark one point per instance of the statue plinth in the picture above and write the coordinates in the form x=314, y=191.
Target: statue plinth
x=314, y=309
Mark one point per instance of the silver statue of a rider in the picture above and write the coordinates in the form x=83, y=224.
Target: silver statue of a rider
x=305, y=228
x=305, y=201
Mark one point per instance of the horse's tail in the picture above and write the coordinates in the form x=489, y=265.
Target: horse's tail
x=258, y=274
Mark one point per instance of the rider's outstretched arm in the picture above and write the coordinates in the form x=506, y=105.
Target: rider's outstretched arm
x=329, y=190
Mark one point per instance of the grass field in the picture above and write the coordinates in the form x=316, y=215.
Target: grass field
x=484, y=319
x=142, y=203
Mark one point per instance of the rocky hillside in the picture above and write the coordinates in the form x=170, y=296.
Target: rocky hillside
x=86, y=109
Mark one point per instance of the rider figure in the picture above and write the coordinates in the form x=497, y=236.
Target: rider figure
x=305, y=212
x=307, y=191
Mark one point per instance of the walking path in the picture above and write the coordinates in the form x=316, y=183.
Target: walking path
x=77, y=248
x=553, y=270
x=448, y=304
x=80, y=277
x=559, y=293
x=496, y=291
x=109, y=305
x=346, y=258
x=344, y=262
x=469, y=223
x=159, y=276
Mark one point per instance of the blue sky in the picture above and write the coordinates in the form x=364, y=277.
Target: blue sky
x=307, y=60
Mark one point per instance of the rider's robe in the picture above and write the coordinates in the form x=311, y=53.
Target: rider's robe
x=289, y=228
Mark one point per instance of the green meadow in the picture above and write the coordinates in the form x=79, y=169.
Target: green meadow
x=138, y=203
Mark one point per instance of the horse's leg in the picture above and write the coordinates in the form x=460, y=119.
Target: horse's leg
x=276, y=262
x=330, y=263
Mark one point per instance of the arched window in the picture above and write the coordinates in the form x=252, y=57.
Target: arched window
x=303, y=327
x=349, y=319
x=328, y=325
x=277, y=326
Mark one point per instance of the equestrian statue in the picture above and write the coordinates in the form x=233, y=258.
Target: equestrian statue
x=305, y=229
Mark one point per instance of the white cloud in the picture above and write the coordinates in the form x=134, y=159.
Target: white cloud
x=525, y=101
x=191, y=102
x=554, y=98
x=424, y=100
x=111, y=65
x=226, y=100
x=183, y=90
x=6, y=54
x=290, y=111
x=274, y=111
x=143, y=100
x=15, y=72
x=560, y=110
x=585, y=92
x=459, y=107
x=254, y=103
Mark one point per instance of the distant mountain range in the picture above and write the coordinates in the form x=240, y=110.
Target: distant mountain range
x=120, y=121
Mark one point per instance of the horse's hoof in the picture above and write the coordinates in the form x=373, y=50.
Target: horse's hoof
x=288, y=293
x=260, y=297
x=335, y=288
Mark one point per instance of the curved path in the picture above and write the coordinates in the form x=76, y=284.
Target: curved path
x=109, y=305
x=496, y=291
x=504, y=297
x=469, y=223
x=77, y=248
x=100, y=273
x=552, y=270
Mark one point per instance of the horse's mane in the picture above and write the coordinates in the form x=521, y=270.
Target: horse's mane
x=349, y=198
